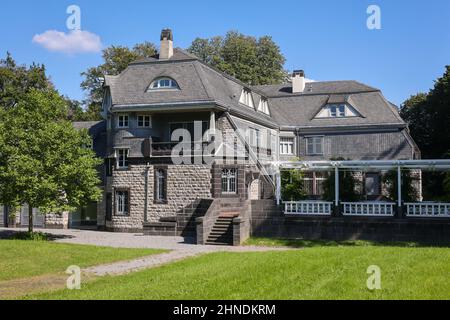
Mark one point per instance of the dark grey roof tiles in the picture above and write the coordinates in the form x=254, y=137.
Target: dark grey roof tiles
x=199, y=82
x=97, y=130
x=322, y=87
x=300, y=111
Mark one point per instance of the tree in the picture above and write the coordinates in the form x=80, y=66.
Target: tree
x=115, y=60
x=44, y=161
x=409, y=193
x=251, y=60
x=292, y=188
x=428, y=116
x=17, y=80
x=347, y=187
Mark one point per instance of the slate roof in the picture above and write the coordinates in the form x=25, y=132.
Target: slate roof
x=97, y=130
x=199, y=82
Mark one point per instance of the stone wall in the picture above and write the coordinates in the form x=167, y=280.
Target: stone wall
x=185, y=185
x=268, y=220
x=57, y=220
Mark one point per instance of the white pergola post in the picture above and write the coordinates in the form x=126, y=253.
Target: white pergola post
x=399, y=189
x=278, y=186
x=336, y=186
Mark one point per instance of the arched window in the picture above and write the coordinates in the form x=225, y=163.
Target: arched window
x=164, y=83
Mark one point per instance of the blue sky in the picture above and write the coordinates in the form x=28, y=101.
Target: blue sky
x=328, y=39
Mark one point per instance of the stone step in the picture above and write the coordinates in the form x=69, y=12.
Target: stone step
x=216, y=243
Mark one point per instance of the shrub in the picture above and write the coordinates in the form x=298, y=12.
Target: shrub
x=31, y=236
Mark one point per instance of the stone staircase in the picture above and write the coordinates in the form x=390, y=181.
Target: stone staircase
x=222, y=230
x=183, y=224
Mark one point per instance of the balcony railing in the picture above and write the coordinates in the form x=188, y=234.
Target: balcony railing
x=428, y=210
x=164, y=149
x=313, y=208
x=368, y=209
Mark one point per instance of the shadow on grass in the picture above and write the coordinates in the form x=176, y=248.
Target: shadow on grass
x=305, y=243
x=24, y=235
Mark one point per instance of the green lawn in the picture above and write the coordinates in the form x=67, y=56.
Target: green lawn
x=322, y=272
x=22, y=259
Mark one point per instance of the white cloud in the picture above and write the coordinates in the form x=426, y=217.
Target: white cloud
x=76, y=41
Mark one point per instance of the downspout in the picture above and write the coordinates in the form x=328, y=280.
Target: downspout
x=147, y=171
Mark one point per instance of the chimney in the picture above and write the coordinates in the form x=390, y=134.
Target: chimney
x=166, y=50
x=298, y=81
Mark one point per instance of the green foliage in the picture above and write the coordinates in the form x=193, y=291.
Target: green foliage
x=43, y=159
x=292, y=188
x=347, y=187
x=16, y=81
x=251, y=60
x=30, y=236
x=428, y=116
x=115, y=60
x=409, y=193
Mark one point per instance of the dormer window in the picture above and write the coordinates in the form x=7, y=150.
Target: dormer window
x=163, y=84
x=337, y=111
x=264, y=106
x=246, y=98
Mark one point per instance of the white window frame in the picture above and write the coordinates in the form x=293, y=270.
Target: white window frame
x=287, y=147
x=160, y=84
x=264, y=106
x=337, y=110
x=122, y=119
x=122, y=156
x=314, y=144
x=122, y=202
x=229, y=181
x=146, y=119
x=247, y=98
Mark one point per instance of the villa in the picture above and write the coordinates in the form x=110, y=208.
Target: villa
x=227, y=198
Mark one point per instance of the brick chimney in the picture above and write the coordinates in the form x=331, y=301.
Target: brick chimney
x=166, y=50
x=298, y=81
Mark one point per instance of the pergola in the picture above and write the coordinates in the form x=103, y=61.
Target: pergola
x=364, y=165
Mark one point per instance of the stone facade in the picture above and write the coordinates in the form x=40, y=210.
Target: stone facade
x=185, y=185
x=57, y=220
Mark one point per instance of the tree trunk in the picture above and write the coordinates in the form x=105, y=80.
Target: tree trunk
x=30, y=218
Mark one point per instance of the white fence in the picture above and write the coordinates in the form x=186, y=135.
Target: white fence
x=368, y=209
x=313, y=208
x=428, y=210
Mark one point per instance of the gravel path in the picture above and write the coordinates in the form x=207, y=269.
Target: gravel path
x=180, y=248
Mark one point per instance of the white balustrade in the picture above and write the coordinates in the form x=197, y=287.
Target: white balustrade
x=368, y=209
x=428, y=210
x=313, y=208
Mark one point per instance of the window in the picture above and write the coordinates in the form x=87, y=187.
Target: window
x=189, y=127
x=314, y=146
x=164, y=83
x=122, y=121
x=286, y=146
x=122, y=203
x=229, y=181
x=337, y=111
x=246, y=98
x=109, y=164
x=160, y=185
x=144, y=121
x=313, y=183
x=264, y=106
x=122, y=158
x=255, y=138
